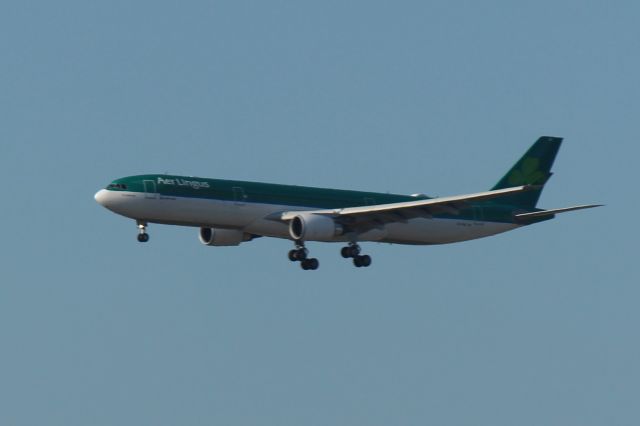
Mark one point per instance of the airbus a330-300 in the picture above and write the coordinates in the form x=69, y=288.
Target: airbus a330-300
x=230, y=212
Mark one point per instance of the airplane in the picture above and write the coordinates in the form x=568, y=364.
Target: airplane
x=230, y=212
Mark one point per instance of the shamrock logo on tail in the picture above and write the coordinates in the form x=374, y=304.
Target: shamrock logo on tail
x=527, y=174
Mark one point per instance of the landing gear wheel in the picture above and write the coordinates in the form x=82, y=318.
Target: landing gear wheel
x=143, y=238
x=293, y=255
x=345, y=252
x=352, y=250
x=310, y=264
x=313, y=263
x=362, y=261
x=301, y=254
x=297, y=254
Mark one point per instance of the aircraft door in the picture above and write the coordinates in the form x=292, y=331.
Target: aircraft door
x=150, y=189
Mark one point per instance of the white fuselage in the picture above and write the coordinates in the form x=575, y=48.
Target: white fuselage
x=263, y=219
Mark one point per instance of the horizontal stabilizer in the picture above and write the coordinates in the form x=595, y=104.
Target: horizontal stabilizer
x=552, y=212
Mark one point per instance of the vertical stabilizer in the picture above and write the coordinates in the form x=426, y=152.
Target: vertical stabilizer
x=534, y=168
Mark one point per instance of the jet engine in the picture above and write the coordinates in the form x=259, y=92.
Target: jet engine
x=223, y=237
x=314, y=227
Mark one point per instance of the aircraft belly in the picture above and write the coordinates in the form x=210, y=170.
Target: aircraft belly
x=216, y=213
x=268, y=228
x=442, y=231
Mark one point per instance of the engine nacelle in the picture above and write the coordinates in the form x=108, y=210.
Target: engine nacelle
x=223, y=237
x=314, y=227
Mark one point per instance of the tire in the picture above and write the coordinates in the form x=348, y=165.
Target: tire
x=345, y=252
x=143, y=238
x=304, y=265
x=313, y=264
x=357, y=261
x=301, y=254
x=365, y=260
x=292, y=255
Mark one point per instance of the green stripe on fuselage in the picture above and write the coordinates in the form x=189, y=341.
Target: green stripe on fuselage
x=291, y=195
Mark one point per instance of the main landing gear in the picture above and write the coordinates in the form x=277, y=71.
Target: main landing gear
x=353, y=251
x=299, y=254
x=143, y=237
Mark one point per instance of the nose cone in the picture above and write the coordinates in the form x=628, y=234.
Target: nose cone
x=101, y=197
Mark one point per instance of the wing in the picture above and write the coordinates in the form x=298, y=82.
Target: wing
x=380, y=214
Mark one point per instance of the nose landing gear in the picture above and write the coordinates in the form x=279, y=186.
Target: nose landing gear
x=299, y=254
x=143, y=237
x=353, y=251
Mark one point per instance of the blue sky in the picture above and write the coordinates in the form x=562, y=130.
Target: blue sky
x=536, y=326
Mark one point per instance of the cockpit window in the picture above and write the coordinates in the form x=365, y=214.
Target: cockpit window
x=116, y=186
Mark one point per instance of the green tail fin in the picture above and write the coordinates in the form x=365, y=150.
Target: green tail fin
x=534, y=168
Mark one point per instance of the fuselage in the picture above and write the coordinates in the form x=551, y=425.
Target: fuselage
x=255, y=208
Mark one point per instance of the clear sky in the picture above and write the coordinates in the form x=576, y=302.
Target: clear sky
x=534, y=327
